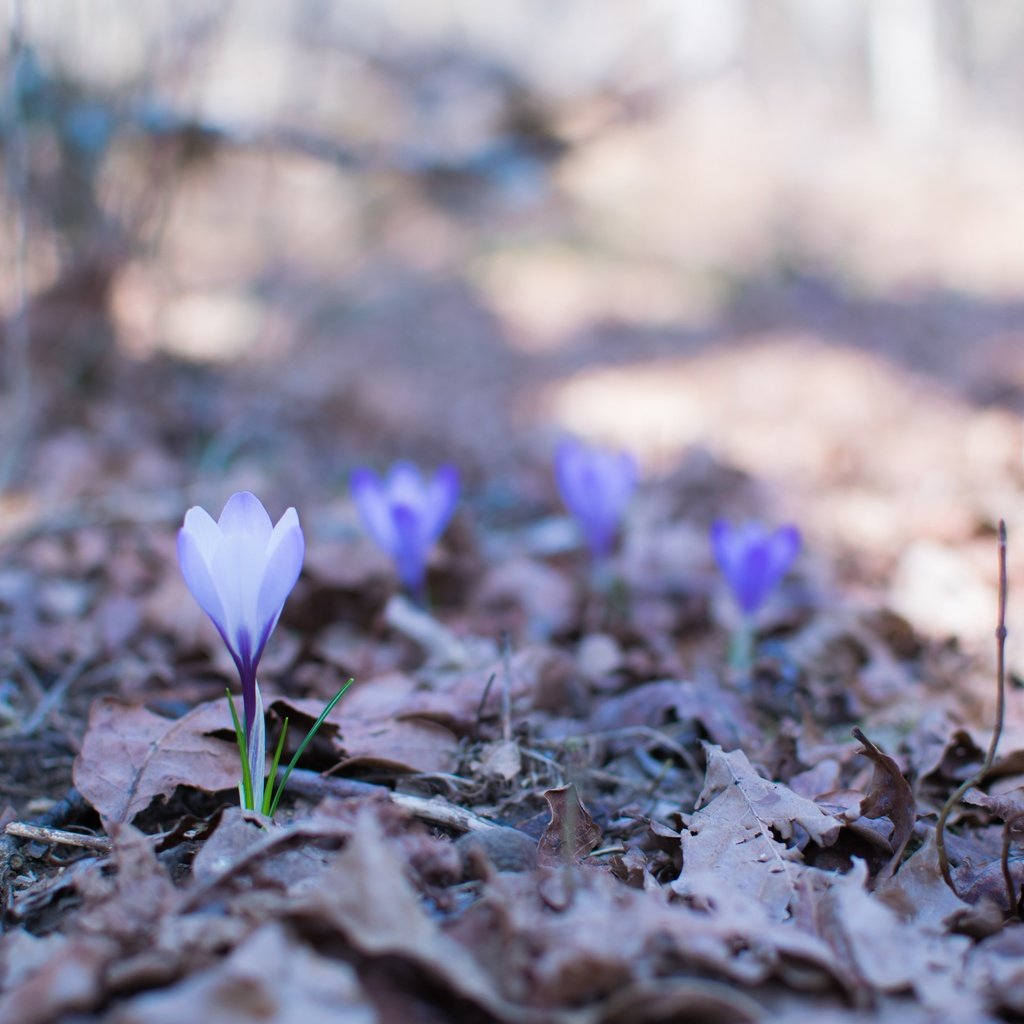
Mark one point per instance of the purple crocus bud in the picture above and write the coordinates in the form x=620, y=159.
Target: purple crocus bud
x=596, y=486
x=240, y=569
x=753, y=559
x=404, y=514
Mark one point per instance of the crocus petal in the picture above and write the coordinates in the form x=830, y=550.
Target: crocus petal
x=245, y=515
x=753, y=560
x=199, y=579
x=411, y=550
x=442, y=498
x=283, y=565
x=750, y=581
x=373, y=508
x=596, y=487
x=405, y=485
x=204, y=530
x=785, y=546
x=237, y=567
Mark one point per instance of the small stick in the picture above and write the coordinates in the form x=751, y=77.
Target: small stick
x=990, y=756
x=58, y=836
x=480, y=706
x=55, y=694
x=506, y=689
x=431, y=809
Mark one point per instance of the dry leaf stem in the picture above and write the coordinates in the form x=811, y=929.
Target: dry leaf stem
x=990, y=756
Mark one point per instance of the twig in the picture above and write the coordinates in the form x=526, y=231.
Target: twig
x=58, y=836
x=434, y=810
x=65, y=810
x=439, y=642
x=480, y=706
x=990, y=756
x=53, y=696
x=506, y=688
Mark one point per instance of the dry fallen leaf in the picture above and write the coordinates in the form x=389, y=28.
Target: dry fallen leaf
x=890, y=796
x=733, y=833
x=271, y=977
x=130, y=756
x=571, y=833
x=366, y=896
x=406, y=744
x=720, y=714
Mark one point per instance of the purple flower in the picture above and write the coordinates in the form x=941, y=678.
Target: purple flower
x=240, y=569
x=596, y=486
x=405, y=514
x=753, y=559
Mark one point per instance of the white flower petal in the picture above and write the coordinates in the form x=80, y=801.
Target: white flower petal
x=280, y=571
x=200, y=580
x=204, y=530
x=244, y=514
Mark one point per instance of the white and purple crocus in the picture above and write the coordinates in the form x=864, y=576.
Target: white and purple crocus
x=405, y=515
x=753, y=559
x=596, y=486
x=240, y=569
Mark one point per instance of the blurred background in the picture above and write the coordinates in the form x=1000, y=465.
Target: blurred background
x=264, y=242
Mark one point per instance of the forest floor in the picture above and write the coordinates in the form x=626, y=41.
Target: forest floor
x=543, y=800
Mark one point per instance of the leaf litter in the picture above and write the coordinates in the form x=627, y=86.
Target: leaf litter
x=539, y=803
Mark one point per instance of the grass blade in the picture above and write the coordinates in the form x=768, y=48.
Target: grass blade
x=305, y=743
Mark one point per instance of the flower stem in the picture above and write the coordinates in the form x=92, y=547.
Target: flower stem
x=243, y=753
x=741, y=650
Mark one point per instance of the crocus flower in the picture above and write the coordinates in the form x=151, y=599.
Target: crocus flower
x=753, y=559
x=240, y=569
x=404, y=514
x=596, y=486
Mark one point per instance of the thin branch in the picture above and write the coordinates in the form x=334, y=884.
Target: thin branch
x=58, y=836
x=506, y=688
x=990, y=756
x=433, y=810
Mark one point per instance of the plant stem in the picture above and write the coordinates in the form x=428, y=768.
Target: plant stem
x=243, y=753
x=741, y=650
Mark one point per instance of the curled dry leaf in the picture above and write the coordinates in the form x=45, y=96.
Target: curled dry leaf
x=130, y=756
x=890, y=796
x=571, y=833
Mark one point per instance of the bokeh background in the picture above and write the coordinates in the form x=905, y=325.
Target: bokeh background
x=264, y=242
